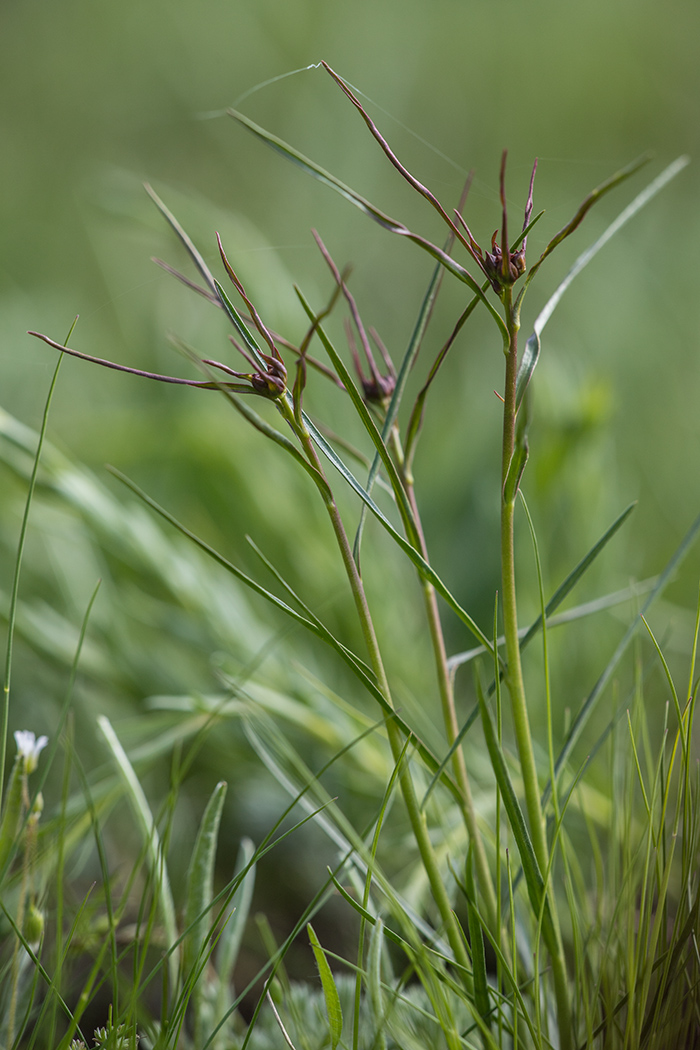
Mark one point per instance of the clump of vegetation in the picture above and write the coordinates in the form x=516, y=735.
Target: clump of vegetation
x=531, y=907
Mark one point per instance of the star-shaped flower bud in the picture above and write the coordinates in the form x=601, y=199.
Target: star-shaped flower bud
x=502, y=266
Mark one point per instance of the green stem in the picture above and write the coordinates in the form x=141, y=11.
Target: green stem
x=516, y=685
x=449, y=716
x=416, y=817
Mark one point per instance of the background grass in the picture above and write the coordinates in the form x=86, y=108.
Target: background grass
x=98, y=98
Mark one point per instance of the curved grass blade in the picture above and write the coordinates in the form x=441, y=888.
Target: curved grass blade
x=240, y=326
x=194, y=255
x=532, y=349
x=317, y=172
x=527, y=634
x=376, y=993
x=593, y=197
x=409, y=359
x=330, y=992
x=374, y=984
x=315, y=626
x=564, y=589
x=247, y=580
x=476, y=938
x=591, y=700
x=230, y=942
x=425, y=569
x=313, y=169
x=199, y=893
x=331, y=820
x=149, y=831
x=531, y=869
x=366, y=418
x=12, y=614
x=365, y=668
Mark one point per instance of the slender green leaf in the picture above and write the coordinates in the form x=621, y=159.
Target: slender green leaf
x=367, y=420
x=532, y=349
x=199, y=891
x=672, y=687
x=308, y=166
x=250, y=583
x=365, y=914
x=591, y=700
x=12, y=614
x=528, y=363
x=593, y=197
x=186, y=241
x=200, y=880
x=230, y=941
x=425, y=569
x=531, y=870
x=374, y=984
x=241, y=327
x=409, y=359
x=365, y=668
x=518, y=463
x=149, y=832
x=527, y=634
x=278, y=755
x=323, y=176
x=330, y=992
x=476, y=938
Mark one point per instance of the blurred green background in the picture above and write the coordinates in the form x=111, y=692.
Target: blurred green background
x=98, y=98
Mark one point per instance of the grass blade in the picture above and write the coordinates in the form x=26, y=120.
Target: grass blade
x=367, y=420
x=425, y=569
x=527, y=634
x=149, y=831
x=186, y=241
x=323, y=176
x=330, y=992
x=532, y=349
x=531, y=870
x=476, y=937
x=593, y=697
x=230, y=942
x=12, y=615
x=200, y=883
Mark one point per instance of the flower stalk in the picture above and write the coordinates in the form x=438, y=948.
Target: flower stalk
x=504, y=267
x=416, y=817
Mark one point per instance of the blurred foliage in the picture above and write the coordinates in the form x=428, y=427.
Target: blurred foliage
x=99, y=98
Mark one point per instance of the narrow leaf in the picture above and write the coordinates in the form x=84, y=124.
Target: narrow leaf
x=592, y=198
x=200, y=880
x=330, y=992
x=532, y=350
x=423, y=566
x=366, y=418
x=315, y=626
x=313, y=169
x=527, y=634
x=528, y=363
x=230, y=942
x=374, y=984
x=14, y=594
x=518, y=463
x=240, y=326
x=531, y=870
x=149, y=832
x=478, y=951
x=368, y=209
x=186, y=241
x=591, y=700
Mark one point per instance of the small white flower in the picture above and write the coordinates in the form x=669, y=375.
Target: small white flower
x=29, y=748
